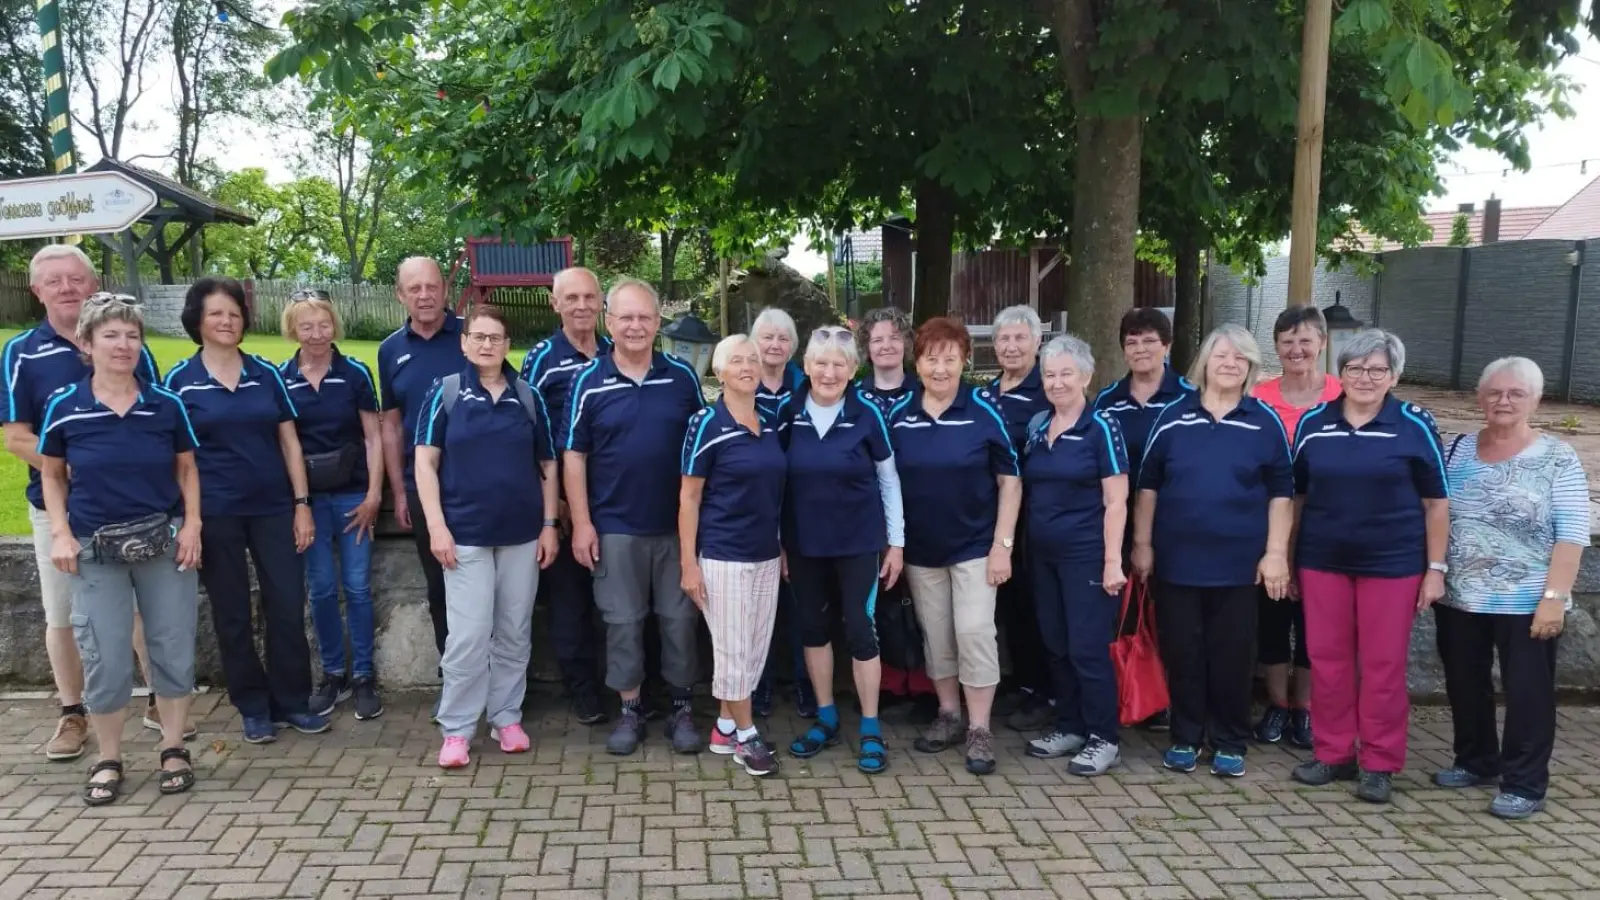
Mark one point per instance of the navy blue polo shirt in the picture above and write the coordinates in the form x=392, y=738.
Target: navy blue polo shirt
x=1019, y=405
x=1364, y=488
x=742, y=503
x=832, y=505
x=768, y=401
x=36, y=364
x=886, y=399
x=489, y=480
x=1065, y=498
x=632, y=433
x=1214, y=481
x=409, y=364
x=122, y=466
x=242, y=472
x=330, y=414
x=1139, y=419
x=550, y=367
x=947, y=472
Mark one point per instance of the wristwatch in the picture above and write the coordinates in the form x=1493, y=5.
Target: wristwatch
x=1557, y=595
x=1005, y=542
x=1441, y=568
x=552, y=523
x=302, y=501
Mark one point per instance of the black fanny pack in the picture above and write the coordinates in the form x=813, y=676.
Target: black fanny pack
x=331, y=471
x=135, y=542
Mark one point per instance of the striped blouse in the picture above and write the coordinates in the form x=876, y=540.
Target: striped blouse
x=1505, y=520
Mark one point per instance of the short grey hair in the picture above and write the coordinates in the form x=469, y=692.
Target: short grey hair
x=1363, y=344
x=102, y=308
x=772, y=317
x=1020, y=315
x=1242, y=341
x=58, y=251
x=824, y=339
x=622, y=284
x=1523, y=369
x=1069, y=345
x=725, y=348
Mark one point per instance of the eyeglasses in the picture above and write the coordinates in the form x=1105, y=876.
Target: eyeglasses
x=479, y=338
x=1371, y=373
x=1515, y=395
x=56, y=281
x=306, y=294
x=837, y=334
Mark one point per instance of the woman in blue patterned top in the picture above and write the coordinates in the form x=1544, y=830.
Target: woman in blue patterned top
x=1519, y=520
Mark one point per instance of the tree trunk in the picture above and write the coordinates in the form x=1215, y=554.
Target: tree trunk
x=669, y=262
x=935, y=234
x=1105, y=221
x=1188, y=316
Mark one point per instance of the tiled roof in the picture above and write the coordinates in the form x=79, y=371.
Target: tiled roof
x=198, y=206
x=1578, y=219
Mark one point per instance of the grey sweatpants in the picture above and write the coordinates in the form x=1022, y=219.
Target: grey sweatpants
x=489, y=604
x=632, y=571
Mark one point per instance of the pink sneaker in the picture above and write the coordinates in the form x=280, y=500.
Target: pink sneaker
x=454, y=755
x=512, y=738
x=722, y=744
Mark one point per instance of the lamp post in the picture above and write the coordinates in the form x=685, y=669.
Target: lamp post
x=691, y=340
x=1342, y=325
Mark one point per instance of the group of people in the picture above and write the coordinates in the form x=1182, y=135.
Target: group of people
x=1294, y=525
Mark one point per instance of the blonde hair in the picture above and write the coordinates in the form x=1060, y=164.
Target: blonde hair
x=58, y=251
x=300, y=304
x=1242, y=341
x=724, y=350
x=98, y=309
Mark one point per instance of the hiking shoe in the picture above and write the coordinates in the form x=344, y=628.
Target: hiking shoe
x=1034, y=714
x=334, y=690
x=1457, y=777
x=587, y=709
x=940, y=734
x=1055, y=745
x=681, y=732
x=259, y=730
x=1227, y=765
x=980, y=751
x=152, y=721
x=805, y=700
x=1374, y=787
x=512, y=738
x=1096, y=758
x=368, y=704
x=433, y=717
x=629, y=731
x=454, y=754
x=722, y=744
x=305, y=723
x=1272, y=725
x=72, y=734
x=1181, y=757
x=1161, y=721
x=761, y=699
x=756, y=757
x=1300, y=735
x=1317, y=773
x=1512, y=806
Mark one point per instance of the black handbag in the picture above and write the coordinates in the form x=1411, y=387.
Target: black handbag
x=135, y=542
x=331, y=471
x=899, y=633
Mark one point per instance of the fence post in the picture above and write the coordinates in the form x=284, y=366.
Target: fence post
x=1569, y=354
x=1456, y=352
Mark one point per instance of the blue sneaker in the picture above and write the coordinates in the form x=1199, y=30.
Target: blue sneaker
x=259, y=730
x=1180, y=757
x=305, y=723
x=1274, y=722
x=1459, y=777
x=1512, y=806
x=1227, y=765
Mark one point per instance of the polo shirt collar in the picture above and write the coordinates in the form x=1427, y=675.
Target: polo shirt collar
x=46, y=331
x=451, y=325
x=85, y=388
x=335, y=363
x=1388, y=414
x=563, y=345
x=1033, y=381
x=469, y=375
x=721, y=416
x=853, y=404
x=1190, y=402
x=1172, y=384
x=658, y=366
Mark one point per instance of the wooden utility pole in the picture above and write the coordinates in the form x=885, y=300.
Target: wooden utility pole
x=1308, y=150
x=833, y=285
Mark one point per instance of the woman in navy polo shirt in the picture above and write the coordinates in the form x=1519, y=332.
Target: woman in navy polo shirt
x=842, y=532
x=1212, y=521
x=1370, y=550
x=729, y=509
x=962, y=491
x=1075, y=473
x=479, y=430
x=130, y=453
x=343, y=444
x=256, y=505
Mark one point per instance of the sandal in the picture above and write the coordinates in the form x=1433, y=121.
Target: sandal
x=817, y=738
x=176, y=781
x=100, y=793
x=874, y=754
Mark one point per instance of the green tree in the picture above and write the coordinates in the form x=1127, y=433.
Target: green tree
x=1460, y=231
x=296, y=232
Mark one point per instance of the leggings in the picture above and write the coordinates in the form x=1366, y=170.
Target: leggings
x=826, y=587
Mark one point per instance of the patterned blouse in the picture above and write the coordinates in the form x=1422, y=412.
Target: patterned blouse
x=1505, y=520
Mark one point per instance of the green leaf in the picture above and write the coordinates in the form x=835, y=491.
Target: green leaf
x=668, y=73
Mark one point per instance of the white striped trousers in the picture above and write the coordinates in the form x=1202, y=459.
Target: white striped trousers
x=741, y=607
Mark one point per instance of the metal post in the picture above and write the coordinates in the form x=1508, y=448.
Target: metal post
x=1458, y=341
x=1569, y=354
x=48, y=15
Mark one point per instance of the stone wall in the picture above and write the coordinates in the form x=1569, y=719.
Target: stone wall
x=163, y=305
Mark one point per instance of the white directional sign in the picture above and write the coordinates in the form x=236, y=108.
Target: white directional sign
x=91, y=203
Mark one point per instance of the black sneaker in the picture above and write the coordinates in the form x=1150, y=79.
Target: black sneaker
x=1161, y=721
x=761, y=699
x=1317, y=773
x=805, y=701
x=1300, y=734
x=629, y=731
x=1374, y=787
x=1272, y=725
x=681, y=731
x=368, y=704
x=586, y=708
x=333, y=691
x=1035, y=714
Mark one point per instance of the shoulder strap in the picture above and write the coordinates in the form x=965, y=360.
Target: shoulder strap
x=526, y=398
x=449, y=390
x=1451, y=453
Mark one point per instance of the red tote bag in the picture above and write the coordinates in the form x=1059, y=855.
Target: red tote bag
x=1141, y=679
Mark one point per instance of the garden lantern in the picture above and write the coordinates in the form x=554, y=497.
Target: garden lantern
x=689, y=339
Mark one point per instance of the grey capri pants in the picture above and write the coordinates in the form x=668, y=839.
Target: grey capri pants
x=104, y=597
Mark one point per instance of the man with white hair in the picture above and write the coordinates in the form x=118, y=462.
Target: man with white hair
x=36, y=364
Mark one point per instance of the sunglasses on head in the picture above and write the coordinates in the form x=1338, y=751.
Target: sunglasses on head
x=301, y=296
x=104, y=297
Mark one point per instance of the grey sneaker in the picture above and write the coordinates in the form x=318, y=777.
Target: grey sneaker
x=1511, y=806
x=681, y=732
x=1374, y=787
x=333, y=691
x=940, y=733
x=1055, y=745
x=980, y=751
x=1317, y=773
x=368, y=704
x=1096, y=758
x=1458, y=777
x=625, y=737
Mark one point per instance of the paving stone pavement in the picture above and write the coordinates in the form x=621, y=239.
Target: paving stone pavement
x=363, y=812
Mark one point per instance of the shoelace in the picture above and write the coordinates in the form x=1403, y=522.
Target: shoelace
x=979, y=744
x=1095, y=747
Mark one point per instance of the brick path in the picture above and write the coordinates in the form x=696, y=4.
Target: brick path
x=362, y=812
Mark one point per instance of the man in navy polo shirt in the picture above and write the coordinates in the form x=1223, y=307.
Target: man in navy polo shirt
x=550, y=368
x=425, y=349
x=34, y=365
x=630, y=411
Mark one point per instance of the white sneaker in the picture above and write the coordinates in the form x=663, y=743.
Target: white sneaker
x=1055, y=745
x=1096, y=758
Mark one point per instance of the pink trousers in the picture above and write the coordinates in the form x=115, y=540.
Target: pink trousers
x=1358, y=634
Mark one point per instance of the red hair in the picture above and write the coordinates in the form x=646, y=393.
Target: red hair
x=935, y=333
